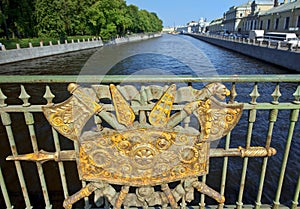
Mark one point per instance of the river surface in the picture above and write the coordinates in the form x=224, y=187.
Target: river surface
x=175, y=55
x=179, y=55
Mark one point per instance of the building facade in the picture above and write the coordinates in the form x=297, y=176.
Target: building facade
x=283, y=18
x=194, y=27
x=251, y=22
x=168, y=29
x=216, y=25
x=234, y=16
x=267, y=15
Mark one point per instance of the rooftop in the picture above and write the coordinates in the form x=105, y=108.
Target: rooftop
x=282, y=8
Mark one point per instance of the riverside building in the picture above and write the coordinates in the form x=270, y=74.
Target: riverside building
x=267, y=15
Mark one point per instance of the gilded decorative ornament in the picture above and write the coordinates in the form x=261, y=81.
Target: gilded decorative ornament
x=155, y=155
x=146, y=150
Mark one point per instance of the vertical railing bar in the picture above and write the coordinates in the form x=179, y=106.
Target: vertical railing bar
x=202, y=199
x=233, y=94
x=30, y=125
x=4, y=191
x=183, y=200
x=86, y=199
x=143, y=113
x=6, y=120
x=202, y=196
x=242, y=184
x=49, y=96
x=293, y=120
x=224, y=171
x=296, y=196
x=272, y=119
x=251, y=119
x=60, y=164
x=252, y=116
x=30, y=122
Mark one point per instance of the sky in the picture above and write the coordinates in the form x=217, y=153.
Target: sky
x=179, y=12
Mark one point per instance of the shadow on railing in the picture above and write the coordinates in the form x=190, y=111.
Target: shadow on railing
x=271, y=111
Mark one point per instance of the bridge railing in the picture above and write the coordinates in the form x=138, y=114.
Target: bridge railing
x=271, y=103
x=265, y=43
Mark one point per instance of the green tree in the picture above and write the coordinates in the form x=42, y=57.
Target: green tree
x=50, y=18
x=144, y=21
x=4, y=10
x=156, y=22
x=82, y=15
x=114, y=14
x=109, y=31
x=17, y=18
x=109, y=18
x=121, y=17
x=132, y=12
x=60, y=18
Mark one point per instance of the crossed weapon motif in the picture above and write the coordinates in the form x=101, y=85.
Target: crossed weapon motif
x=155, y=150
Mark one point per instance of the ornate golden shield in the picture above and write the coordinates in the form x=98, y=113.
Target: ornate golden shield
x=147, y=141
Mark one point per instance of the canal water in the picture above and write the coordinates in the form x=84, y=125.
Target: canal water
x=177, y=55
x=173, y=55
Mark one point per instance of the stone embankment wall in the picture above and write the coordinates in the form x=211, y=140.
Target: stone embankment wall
x=133, y=38
x=21, y=54
x=281, y=57
x=15, y=55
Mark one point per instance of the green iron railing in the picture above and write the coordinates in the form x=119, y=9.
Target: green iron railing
x=252, y=83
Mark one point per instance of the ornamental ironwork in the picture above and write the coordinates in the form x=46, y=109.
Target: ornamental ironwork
x=143, y=139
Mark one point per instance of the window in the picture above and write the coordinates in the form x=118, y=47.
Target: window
x=241, y=14
x=255, y=24
x=261, y=25
x=286, y=23
x=298, y=22
x=276, y=24
x=268, y=24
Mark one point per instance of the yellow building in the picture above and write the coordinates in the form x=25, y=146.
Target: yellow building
x=251, y=22
x=282, y=18
x=264, y=15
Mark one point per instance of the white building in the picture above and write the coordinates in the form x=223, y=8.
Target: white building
x=168, y=29
x=216, y=25
x=194, y=27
